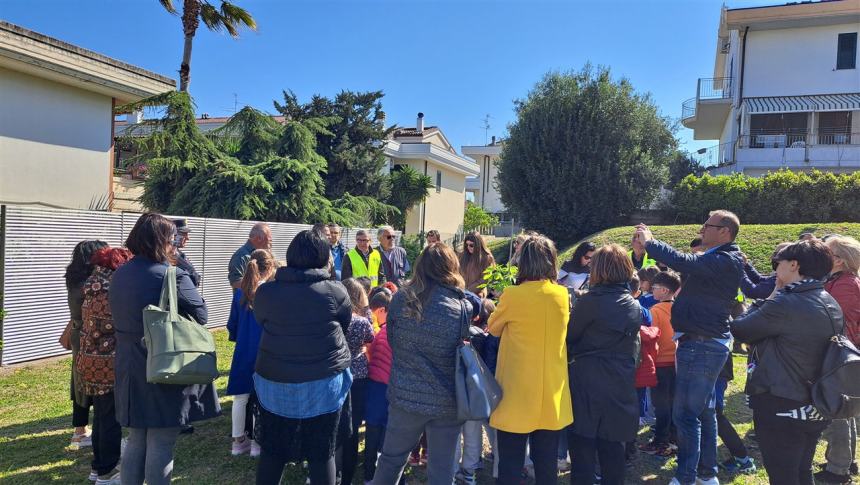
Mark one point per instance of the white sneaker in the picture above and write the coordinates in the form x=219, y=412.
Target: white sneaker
x=674, y=481
x=94, y=475
x=80, y=441
x=707, y=481
x=255, y=449
x=563, y=466
x=240, y=447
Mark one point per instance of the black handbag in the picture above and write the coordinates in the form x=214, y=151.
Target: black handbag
x=836, y=394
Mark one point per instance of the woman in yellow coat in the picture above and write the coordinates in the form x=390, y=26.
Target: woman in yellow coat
x=531, y=320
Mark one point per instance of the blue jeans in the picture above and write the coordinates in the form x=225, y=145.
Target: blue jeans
x=698, y=364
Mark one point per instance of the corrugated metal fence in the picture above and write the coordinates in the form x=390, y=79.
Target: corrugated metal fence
x=37, y=246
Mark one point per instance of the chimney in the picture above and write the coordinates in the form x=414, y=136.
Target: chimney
x=494, y=140
x=420, y=125
x=134, y=117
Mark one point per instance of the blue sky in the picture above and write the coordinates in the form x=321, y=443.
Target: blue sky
x=456, y=61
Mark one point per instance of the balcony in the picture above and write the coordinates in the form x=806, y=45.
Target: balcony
x=706, y=114
x=760, y=153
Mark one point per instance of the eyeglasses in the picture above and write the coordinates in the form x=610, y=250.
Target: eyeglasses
x=362, y=240
x=706, y=225
x=389, y=236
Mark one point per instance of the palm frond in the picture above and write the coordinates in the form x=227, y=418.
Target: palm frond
x=168, y=5
x=237, y=16
x=211, y=17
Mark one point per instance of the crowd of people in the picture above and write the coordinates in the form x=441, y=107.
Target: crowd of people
x=332, y=340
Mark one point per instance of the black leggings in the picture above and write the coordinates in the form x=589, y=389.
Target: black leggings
x=349, y=449
x=270, y=469
x=585, y=452
x=543, y=451
x=787, y=446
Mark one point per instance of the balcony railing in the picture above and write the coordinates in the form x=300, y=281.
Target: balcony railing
x=688, y=108
x=707, y=89
x=714, y=156
x=797, y=140
x=714, y=88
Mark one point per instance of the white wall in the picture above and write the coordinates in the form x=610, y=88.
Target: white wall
x=54, y=142
x=798, y=61
x=492, y=201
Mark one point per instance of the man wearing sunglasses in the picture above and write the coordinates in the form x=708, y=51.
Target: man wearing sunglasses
x=700, y=317
x=363, y=260
x=395, y=264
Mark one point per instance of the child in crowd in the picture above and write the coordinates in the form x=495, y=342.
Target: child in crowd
x=245, y=331
x=379, y=372
x=646, y=374
x=358, y=335
x=664, y=287
x=646, y=277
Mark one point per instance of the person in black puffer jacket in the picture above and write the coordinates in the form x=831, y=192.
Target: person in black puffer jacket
x=790, y=332
x=302, y=373
x=427, y=320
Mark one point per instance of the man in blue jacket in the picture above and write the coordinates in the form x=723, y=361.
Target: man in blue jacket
x=700, y=317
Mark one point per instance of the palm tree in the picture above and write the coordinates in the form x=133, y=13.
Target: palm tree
x=229, y=18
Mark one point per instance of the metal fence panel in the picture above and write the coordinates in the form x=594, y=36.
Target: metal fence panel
x=39, y=244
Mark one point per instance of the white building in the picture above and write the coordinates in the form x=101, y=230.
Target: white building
x=56, y=119
x=483, y=187
x=785, y=91
x=428, y=151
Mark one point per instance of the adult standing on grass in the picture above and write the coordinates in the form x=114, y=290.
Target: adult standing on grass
x=260, y=237
x=700, y=317
x=474, y=259
x=153, y=413
x=302, y=376
x=95, y=363
x=844, y=285
x=790, y=332
x=531, y=321
x=602, y=341
x=363, y=261
x=427, y=319
x=395, y=262
x=77, y=272
x=182, y=261
x=338, y=250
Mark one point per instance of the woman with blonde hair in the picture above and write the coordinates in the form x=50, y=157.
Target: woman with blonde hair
x=427, y=320
x=602, y=345
x=531, y=321
x=244, y=330
x=474, y=259
x=844, y=286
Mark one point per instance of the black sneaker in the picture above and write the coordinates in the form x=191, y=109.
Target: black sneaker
x=830, y=477
x=852, y=470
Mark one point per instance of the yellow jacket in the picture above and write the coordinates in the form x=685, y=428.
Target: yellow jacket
x=531, y=320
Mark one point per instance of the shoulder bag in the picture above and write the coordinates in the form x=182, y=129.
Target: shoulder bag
x=477, y=391
x=179, y=350
x=836, y=394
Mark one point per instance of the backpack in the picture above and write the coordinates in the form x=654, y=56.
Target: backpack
x=836, y=394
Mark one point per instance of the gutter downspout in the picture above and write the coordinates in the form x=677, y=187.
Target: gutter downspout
x=741, y=94
x=424, y=205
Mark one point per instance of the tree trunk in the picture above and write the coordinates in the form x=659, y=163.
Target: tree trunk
x=190, y=22
x=185, y=67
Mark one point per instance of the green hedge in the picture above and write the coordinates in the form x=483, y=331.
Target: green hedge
x=757, y=241
x=778, y=197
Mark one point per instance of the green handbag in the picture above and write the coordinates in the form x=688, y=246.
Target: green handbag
x=179, y=350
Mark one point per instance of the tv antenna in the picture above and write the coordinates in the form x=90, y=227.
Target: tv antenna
x=235, y=103
x=486, y=127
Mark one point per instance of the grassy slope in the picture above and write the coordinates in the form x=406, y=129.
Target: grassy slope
x=35, y=428
x=757, y=241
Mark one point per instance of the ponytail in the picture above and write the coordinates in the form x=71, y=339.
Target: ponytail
x=261, y=268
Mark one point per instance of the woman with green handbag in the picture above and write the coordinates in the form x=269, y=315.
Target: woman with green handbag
x=153, y=413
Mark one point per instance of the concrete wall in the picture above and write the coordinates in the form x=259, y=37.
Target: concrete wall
x=798, y=61
x=55, y=143
x=489, y=199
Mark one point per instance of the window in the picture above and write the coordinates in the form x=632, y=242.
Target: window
x=438, y=181
x=778, y=130
x=846, y=51
x=397, y=167
x=834, y=128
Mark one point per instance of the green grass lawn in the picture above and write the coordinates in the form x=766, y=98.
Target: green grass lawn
x=757, y=241
x=35, y=417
